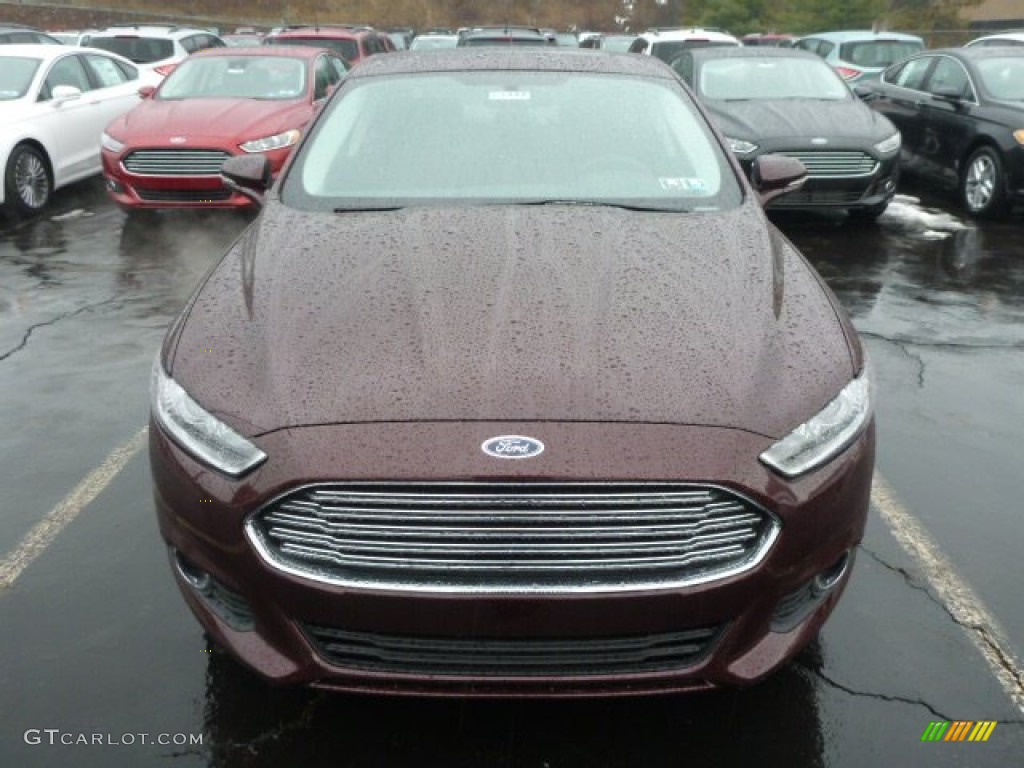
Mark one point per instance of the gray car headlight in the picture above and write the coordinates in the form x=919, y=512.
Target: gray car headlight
x=196, y=431
x=821, y=438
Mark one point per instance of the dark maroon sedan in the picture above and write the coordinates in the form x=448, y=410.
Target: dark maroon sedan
x=512, y=390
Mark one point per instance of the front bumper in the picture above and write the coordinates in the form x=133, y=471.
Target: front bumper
x=725, y=632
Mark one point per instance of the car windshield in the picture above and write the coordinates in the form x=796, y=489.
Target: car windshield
x=732, y=79
x=502, y=40
x=878, y=53
x=141, y=50
x=348, y=49
x=511, y=137
x=236, y=77
x=16, y=74
x=1003, y=77
x=668, y=50
x=619, y=43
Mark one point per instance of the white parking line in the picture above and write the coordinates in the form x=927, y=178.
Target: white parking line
x=962, y=602
x=43, y=533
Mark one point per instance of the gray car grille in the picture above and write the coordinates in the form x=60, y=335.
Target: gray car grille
x=835, y=165
x=175, y=162
x=512, y=657
x=498, y=537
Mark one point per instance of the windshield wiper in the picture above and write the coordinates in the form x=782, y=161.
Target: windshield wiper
x=369, y=208
x=605, y=204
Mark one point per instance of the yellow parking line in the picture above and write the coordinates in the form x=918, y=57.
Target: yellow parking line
x=958, y=597
x=43, y=533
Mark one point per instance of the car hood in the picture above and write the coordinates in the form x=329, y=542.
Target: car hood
x=156, y=121
x=842, y=123
x=512, y=313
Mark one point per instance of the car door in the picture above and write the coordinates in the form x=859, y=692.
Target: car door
x=949, y=124
x=74, y=123
x=115, y=85
x=900, y=95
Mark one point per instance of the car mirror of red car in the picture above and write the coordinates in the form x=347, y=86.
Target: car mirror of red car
x=247, y=175
x=777, y=175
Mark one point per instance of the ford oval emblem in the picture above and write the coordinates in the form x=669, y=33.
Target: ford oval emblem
x=178, y=139
x=819, y=141
x=512, y=447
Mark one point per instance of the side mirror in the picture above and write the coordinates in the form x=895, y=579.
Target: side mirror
x=62, y=93
x=147, y=91
x=864, y=92
x=777, y=175
x=247, y=175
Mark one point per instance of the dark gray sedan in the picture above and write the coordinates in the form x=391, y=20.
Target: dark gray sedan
x=789, y=102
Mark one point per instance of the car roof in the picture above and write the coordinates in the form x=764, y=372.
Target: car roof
x=44, y=51
x=1013, y=37
x=327, y=32
x=511, y=58
x=752, y=52
x=166, y=30
x=690, y=33
x=848, y=35
x=265, y=51
x=979, y=52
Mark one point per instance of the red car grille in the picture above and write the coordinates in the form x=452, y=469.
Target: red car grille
x=512, y=657
x=183, y=195
x=512, y=537
x=175, y=162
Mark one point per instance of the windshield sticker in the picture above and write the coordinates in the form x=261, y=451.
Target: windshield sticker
x=509, y=95
x=685, y=185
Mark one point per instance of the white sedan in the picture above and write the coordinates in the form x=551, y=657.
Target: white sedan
x=55, y=102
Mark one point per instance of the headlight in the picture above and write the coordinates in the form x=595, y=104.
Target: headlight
x=821, y=438
x=209, y=440
x=741, y=147
x=888, y=146
x=268, y=143
x=111, y=144
x=1018, y=135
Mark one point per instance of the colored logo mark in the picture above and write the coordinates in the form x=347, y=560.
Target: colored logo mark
x=959, y=730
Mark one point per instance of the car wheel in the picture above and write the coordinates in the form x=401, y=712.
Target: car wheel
x=868, y=212
x=28, y=185
x=982, y=184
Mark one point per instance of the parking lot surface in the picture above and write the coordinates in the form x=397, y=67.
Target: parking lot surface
x=104, y=666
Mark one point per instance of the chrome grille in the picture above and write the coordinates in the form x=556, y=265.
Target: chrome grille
x=835, y=165
x=175, y=162
x=512, y=537
x=512, y=657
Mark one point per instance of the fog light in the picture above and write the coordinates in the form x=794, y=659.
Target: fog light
x=199, y=579
x=115, y=186
x=827, y=579
x=231, y=607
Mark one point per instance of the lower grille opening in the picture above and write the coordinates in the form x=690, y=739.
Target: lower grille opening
x=512, y=657
x=183, y=195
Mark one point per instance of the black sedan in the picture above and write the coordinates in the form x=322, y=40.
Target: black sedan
x=961, y=113
x=790, y=102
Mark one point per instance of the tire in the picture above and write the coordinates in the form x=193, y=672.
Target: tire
x=28, y=182
x=983, y=184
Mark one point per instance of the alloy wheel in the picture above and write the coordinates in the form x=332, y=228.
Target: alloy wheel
x=980, y=183
x=31, y=180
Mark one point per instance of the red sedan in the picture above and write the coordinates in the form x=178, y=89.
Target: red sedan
x=167, y=152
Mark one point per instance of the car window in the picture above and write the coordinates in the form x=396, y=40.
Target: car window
x=910, y=74
x=338, y=69
x=66, y=71
x=638, y=46
x=748, y=79
x=950, y=77
x=388, y=141
x=1003, y=77
x=878, y=53
x=190, y=44
x=348, y=49
x=16, y=73
x=683, y=66
x=105, y=70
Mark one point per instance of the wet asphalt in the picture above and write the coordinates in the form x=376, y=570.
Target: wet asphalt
x=98, y=647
